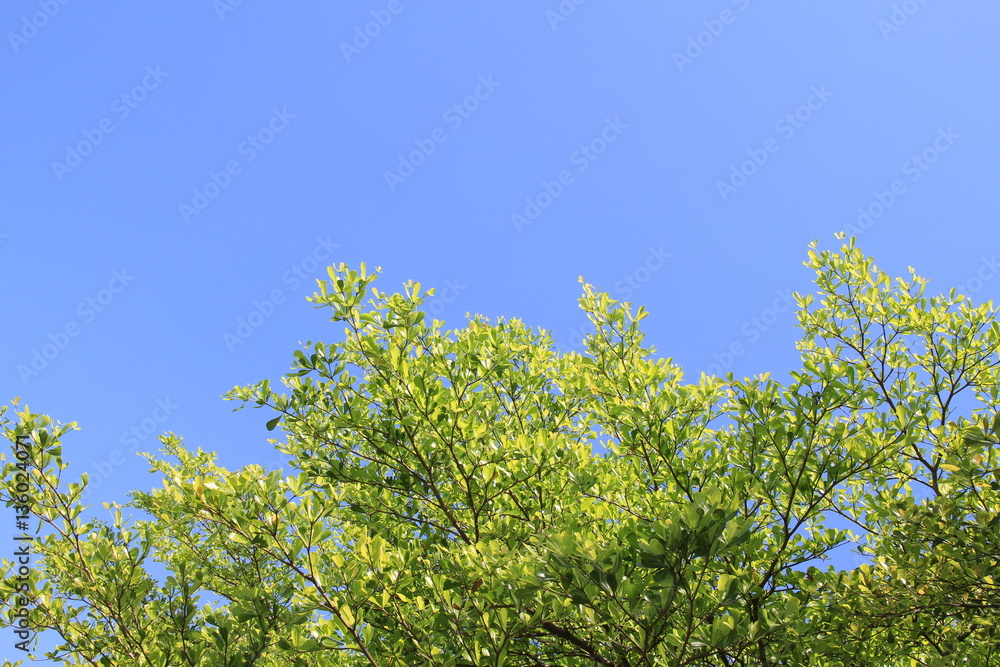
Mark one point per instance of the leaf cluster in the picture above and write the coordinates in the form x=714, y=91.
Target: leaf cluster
x=472, y=497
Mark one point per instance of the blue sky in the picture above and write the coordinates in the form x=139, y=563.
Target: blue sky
x=172, y=169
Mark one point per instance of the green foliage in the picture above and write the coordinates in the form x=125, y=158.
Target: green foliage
x=472, y=497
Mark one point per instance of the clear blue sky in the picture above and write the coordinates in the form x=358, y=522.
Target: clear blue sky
x=170, y=168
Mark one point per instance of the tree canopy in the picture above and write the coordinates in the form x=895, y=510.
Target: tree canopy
x=474, y=497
